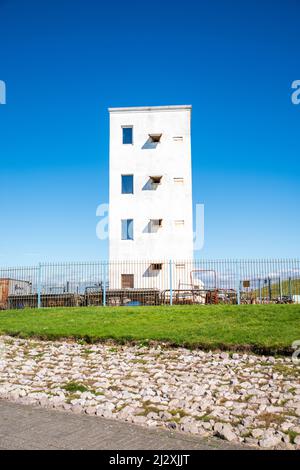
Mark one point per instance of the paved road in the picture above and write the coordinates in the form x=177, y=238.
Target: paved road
x=25, y=427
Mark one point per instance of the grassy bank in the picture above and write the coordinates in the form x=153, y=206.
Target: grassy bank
x=258, y=328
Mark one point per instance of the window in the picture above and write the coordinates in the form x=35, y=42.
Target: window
x=178, y=180
x=127, y=281
x=127, y=229
x=127, y=135
x=155, y=179
x=180, y=266
x=155, y=138
x=154, y=225
x=156, y=266
x=156, y=222
x=127, y=184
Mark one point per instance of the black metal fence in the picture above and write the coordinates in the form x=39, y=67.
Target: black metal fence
x=152, y=282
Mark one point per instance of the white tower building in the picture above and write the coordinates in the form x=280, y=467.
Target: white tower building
x=150, y=215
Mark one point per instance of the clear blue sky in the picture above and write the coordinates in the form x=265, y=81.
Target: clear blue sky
x=65, y=62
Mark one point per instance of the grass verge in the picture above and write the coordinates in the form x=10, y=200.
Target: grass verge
x=268, y=329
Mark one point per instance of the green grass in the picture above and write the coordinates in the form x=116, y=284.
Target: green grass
x=75, y=387
x=292, y=435
x=259, y=328
x=285, y=289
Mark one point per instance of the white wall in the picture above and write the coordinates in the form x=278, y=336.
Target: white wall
x=170, y=201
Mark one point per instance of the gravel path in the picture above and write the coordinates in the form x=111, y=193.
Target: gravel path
x=239, y=398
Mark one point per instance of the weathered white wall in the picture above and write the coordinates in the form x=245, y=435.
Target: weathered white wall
x=170, y=201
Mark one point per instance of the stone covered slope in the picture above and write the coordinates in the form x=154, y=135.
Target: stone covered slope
x=238, y=397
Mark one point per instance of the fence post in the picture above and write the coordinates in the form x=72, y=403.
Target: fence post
x=238, y=284
x=171, y=281
x=290, y=287
x=260, y=292
x=104, y=284
x=270, y=289
x=280, y=288
x=39, y=287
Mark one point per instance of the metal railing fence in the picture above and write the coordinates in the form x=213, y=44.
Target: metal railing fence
x=150, y=282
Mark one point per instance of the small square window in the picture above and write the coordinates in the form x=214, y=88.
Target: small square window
x=179, y=223
x=179, y=180
x=180, y=266
x=127, y=281
x=155, y=138
x=156, y=222
x=127, y=184
x=155, y=179
x=154, y=225
x=156, y=266
x=127, y=135
x=127, y=229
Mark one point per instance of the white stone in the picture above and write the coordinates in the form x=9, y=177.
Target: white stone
x=270, y=441
x=198, y=383
x=225, y=431
x=286, y=426
x=257, y=433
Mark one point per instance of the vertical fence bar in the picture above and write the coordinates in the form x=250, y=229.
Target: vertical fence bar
x=238, y=283
x=39, y=286
x=104, y=283
x=260, y=293
x=280, y=289
x=290, y=288
x=270, y=289
x=171, y=281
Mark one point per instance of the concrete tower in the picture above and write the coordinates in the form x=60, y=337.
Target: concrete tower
x=150, y=214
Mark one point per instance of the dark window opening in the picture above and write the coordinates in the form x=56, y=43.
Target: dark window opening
x=154, y=225
x=127, y=184
x=156, y=222
x=127, y=135
x=156, y=266
x=155, y=179
x=127, y=281
x=155, y=137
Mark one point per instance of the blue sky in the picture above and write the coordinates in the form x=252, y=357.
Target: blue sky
x=65, y=62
